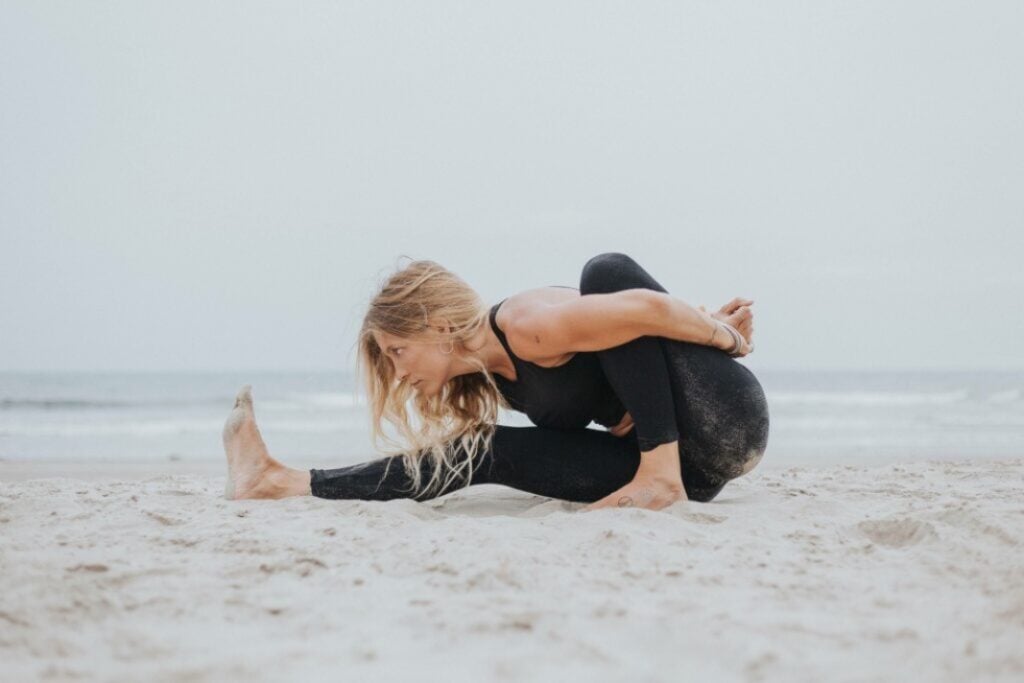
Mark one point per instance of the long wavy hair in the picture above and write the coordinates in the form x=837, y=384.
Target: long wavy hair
x=459, y=420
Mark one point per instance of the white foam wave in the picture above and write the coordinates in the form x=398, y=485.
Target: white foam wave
x=867, y=398
x=824, y=423
x=328, y=399
x=154, y=428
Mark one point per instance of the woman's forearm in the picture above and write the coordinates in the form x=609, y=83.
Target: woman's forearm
x=683, y=322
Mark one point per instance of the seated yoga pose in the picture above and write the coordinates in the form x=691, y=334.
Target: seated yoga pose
x=683, y=417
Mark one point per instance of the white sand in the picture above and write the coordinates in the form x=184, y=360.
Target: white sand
x=912, y=571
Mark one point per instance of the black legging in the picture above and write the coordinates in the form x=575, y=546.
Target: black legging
x=673, y=390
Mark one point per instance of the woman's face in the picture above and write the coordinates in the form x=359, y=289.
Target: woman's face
x=418, y=363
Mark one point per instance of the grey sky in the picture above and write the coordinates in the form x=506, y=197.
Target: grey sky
x=221, y=186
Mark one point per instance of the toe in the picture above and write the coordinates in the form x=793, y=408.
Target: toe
x=236, y=418
x=240, y=414
x=244, y=396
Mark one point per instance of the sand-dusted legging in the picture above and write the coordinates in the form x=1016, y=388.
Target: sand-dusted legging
x=674, y=390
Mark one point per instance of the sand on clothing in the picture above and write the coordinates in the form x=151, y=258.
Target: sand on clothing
x=910, y=571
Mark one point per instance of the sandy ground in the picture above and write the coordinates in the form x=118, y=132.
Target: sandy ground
x=910, y=571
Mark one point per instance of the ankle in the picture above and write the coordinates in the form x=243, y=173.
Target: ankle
x=281, y=481
x=661, y=463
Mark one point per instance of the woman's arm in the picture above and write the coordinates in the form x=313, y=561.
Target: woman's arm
x=596, y=322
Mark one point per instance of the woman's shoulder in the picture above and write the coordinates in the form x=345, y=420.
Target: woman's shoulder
x=524, y=302
x=521, y=304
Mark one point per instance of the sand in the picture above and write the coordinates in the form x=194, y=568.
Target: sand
x=836, y=573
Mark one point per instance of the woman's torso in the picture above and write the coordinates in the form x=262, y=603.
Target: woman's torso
x=567, y=392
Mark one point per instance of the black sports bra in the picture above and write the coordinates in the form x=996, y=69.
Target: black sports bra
x=568, y=396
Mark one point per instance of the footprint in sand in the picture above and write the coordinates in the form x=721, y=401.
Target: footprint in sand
x=702, y=518
x=897, y=533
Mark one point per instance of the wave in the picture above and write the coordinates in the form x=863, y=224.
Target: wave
x=147, y=428
x=328, y=399
x=57, y=404
x=1008, y=396
x=295, y=401
x=866, y=398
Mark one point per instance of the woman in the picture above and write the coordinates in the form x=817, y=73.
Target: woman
x=683, y=417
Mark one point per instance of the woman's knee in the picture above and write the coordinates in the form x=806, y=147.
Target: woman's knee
x=704, y=495
x=753, y=458
x=736, y=465
x=608, y=272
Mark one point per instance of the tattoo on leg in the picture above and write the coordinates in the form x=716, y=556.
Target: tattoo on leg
x=625, y=502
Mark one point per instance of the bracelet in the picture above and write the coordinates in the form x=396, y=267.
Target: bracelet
x=711, y=342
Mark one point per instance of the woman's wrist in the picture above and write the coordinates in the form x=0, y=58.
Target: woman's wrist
x=693, y=325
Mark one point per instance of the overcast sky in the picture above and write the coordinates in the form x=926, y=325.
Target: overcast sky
x=203, y=186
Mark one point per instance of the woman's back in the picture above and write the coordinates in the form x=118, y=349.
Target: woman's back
x=569, y=394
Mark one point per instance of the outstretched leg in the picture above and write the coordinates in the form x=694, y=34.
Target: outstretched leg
x=579, y=465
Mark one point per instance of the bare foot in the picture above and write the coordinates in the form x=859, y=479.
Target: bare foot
x=252, y=473
x=650, y=492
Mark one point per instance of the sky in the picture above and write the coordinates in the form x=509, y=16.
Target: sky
x=202, y=186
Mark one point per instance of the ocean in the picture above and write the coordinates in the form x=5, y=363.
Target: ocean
x=816, y=417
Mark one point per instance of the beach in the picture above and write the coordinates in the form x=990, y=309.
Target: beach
x=124, y=571
x=324, y=202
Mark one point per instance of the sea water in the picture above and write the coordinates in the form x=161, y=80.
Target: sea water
x=815, y=417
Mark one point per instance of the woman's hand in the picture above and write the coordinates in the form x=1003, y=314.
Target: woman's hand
x=645, y=491
x=739, y=315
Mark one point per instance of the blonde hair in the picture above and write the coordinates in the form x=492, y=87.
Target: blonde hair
x=463, y=415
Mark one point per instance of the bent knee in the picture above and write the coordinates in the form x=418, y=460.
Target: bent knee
x=753, y=458
x=602, y=273
x=736, y=465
